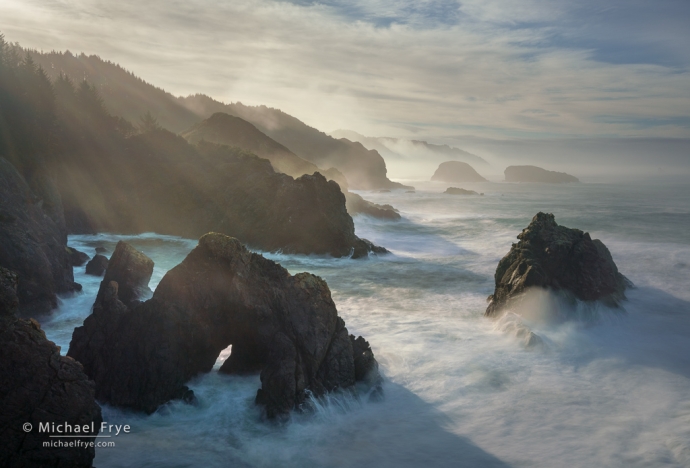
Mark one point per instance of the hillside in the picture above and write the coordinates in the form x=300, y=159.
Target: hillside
x=406, y=155
x=364, y=169
x=233, y=131
x=127, y=96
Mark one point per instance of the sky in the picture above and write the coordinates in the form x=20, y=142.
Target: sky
x=440, y=70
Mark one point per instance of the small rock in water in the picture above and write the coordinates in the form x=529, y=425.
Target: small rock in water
x=459, y=191
x=97, y=265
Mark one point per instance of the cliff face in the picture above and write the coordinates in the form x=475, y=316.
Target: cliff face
x=33, y=240
x=287, y=327
x=456, y=171
x=537, y=174
x=158, y=182
x=38, y=385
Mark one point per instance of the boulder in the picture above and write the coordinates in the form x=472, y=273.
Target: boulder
x=557, y=258
x=537, y=174
x=33, y=244
x=460, y=191
x=97, y=265
x=76, y=257
x=38, y=385
x=456, y=172
x=286, y=327
x=131, y=270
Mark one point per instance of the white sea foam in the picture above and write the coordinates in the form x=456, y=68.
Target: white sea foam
x=461, y=390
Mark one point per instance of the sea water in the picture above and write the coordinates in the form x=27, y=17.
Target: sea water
x=461, y=390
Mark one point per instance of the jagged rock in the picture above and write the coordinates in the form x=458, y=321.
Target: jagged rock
x=97, y=265
x=357, y=205
x=364, y=247
x=537, y=174
x=76, y=257
x=100, y=250
x=459, y=191
x=131, y=270
x=456, y=171
x=558, y=258
x=38, y=385
x=286, y=326
x=33, y=244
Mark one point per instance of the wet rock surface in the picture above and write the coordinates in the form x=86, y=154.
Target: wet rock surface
x=97, y=265
x=285, y=326
x=557, y=258
x=38, y=385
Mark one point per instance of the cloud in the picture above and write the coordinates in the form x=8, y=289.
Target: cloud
x=434, y=67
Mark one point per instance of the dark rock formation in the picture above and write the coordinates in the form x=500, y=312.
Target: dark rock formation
x=100, y=250
x=76, y=257
x=537, y=174
x=459, y=191
x=455, y=172
x=221, y=294
x=558, y=258
x=355, y=205
x=131, y=270
x=38, y=385
x=32, y=243
x=364, y=247
x=97, y=265
x=165, y=185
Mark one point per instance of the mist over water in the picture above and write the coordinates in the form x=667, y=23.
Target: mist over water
x=610, y=389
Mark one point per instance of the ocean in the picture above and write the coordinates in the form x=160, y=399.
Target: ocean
x=608, y=388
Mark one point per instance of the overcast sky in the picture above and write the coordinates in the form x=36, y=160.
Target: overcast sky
x=424, y=69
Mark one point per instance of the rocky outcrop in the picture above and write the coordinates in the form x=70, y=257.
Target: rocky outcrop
x=39, y=386
x=131, y=270
x=97, y=265
x=557, y=258
x=285, y=326
x=76, y=257
x=33, y=243
x=456, y=172
x=355, y=205
x=167, y=186
x=460, y=191
x=537, y=174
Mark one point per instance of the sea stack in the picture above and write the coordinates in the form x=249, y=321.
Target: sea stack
x=537, y=175
x=141, y=355
x=558, y=258
x=456, y=172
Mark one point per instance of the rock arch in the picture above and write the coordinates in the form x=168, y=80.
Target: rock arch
x=141, y=354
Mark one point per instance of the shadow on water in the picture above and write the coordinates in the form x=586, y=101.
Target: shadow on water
x=654, y=333
x=225, y=430
x=401, y=431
